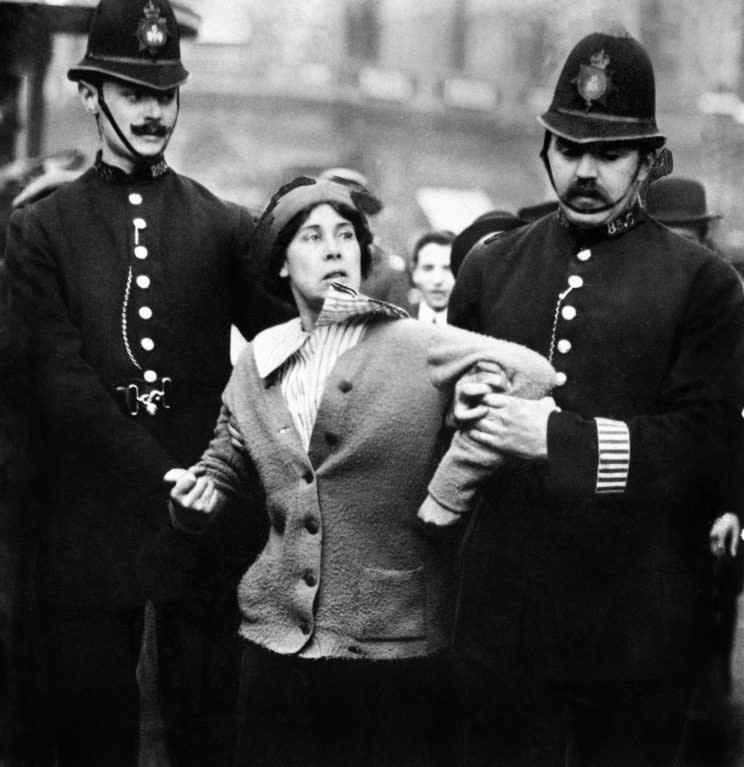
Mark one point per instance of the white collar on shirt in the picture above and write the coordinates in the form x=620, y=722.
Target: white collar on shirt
x=275, y=345
x=427, y=314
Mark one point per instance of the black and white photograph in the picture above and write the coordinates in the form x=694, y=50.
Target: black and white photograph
x=371, y=383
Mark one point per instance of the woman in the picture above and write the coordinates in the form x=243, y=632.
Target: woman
x=346, y=611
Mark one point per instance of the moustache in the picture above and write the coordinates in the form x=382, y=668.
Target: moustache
x=590, y=190
x=150, y=129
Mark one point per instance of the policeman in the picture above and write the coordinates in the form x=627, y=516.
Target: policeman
x=125, y=283
x=577, y=610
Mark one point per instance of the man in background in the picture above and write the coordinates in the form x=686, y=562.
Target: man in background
x=432, y=277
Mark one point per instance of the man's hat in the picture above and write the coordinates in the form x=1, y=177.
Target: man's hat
x=678, y=201
x=605, y=92
x=489, y=223
x=136, y=41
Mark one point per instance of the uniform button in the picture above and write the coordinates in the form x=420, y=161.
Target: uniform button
x=308, y=477
x=564, y=346
x=584, y=255
x=305, y=627
x=345, y=386
x=143, y=281
x=568, y=312
x=150, y=376
x=140, y=251
x=331, y=438
x=575, y=281
x=560, y=378
x=147, y=344
x=145, y=312
x=311, y=525
x=135, y=198
x=309, y=578
x=140, y=223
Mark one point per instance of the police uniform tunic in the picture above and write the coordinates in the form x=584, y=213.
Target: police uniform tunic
x=586, y=563
x=126, y=288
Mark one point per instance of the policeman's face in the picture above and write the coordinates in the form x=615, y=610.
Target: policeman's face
x=145, y=117
x=324, y=250
x=432, y=275
x=590, y=177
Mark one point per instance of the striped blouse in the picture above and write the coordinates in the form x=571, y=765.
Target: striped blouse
x=302, y=361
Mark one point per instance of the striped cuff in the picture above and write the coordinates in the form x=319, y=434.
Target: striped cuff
x=613, y=442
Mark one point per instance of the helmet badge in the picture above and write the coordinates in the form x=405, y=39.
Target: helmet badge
x=152, y=31
x=593, y=81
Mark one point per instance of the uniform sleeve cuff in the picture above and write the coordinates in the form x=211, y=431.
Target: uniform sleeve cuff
x=613, y=464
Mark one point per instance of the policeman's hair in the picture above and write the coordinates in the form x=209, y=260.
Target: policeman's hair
x=437, y=237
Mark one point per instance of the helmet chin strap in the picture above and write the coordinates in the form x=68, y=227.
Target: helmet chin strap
x=138, y=156
x=564, y=201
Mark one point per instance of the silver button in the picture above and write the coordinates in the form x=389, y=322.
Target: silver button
x=575, y=281
x=143, y=281
x=140, y=223
x=150, y=376
x=560, y=378
x=147, y=344
x=135, y=198
x=584, y=255
x=564, y=346
x=145, y=312
x=140, y=251
x=568, y=312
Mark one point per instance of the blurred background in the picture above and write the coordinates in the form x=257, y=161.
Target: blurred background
x=434, y=101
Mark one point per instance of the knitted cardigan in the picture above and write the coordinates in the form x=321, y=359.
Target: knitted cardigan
x=348, y=570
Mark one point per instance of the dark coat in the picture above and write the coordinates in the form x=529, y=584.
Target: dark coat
x=108, y=540
x=590, y=585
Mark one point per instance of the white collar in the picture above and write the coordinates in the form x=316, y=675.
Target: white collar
x=429, y=315
x=275, y=345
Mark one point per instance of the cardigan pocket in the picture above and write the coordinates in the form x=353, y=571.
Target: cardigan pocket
x=390, y=604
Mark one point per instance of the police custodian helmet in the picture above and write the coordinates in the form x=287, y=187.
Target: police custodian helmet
x=136, y=41
x=605, y=92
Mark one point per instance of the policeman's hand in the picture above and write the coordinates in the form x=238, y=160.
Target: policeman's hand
x=236, y=436
x=192, y=492
x=434, y=514
x=724, y=536
x=483, y=378
x=514, y=425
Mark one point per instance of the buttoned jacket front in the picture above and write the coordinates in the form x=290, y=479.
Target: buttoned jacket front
x=587, y=562
x=111, y=281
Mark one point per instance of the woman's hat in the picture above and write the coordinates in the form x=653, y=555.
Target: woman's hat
x=678, y=201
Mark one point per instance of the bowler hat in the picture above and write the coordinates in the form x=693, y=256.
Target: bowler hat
x=605, y=92
x=489, y=223
x=136, y=41
x=678, y=201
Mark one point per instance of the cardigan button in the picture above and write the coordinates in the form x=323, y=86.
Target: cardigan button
x=345, y=386
x=305, y=627
x=279, y=525
x=331, y=439
x=311, y=525
x=308, y=477
x=309, y=578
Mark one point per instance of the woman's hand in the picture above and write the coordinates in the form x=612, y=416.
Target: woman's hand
x=724, y=535
x=192, y=492
x=483, y=378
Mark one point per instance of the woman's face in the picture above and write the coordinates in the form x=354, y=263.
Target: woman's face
x=324, y=250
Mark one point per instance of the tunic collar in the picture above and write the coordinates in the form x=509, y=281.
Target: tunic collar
x=274, y=346
x=145, y=171
x=615, y=228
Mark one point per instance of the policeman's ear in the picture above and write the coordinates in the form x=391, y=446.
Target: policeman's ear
x=646, y=160
x=89, y=96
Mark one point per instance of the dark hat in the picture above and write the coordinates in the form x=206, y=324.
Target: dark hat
x=678, y=201
x=136, y=41
x=605, y=92
x=533, y=212
x=489, y=223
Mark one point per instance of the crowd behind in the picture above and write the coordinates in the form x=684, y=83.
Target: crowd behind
x=479, y=504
